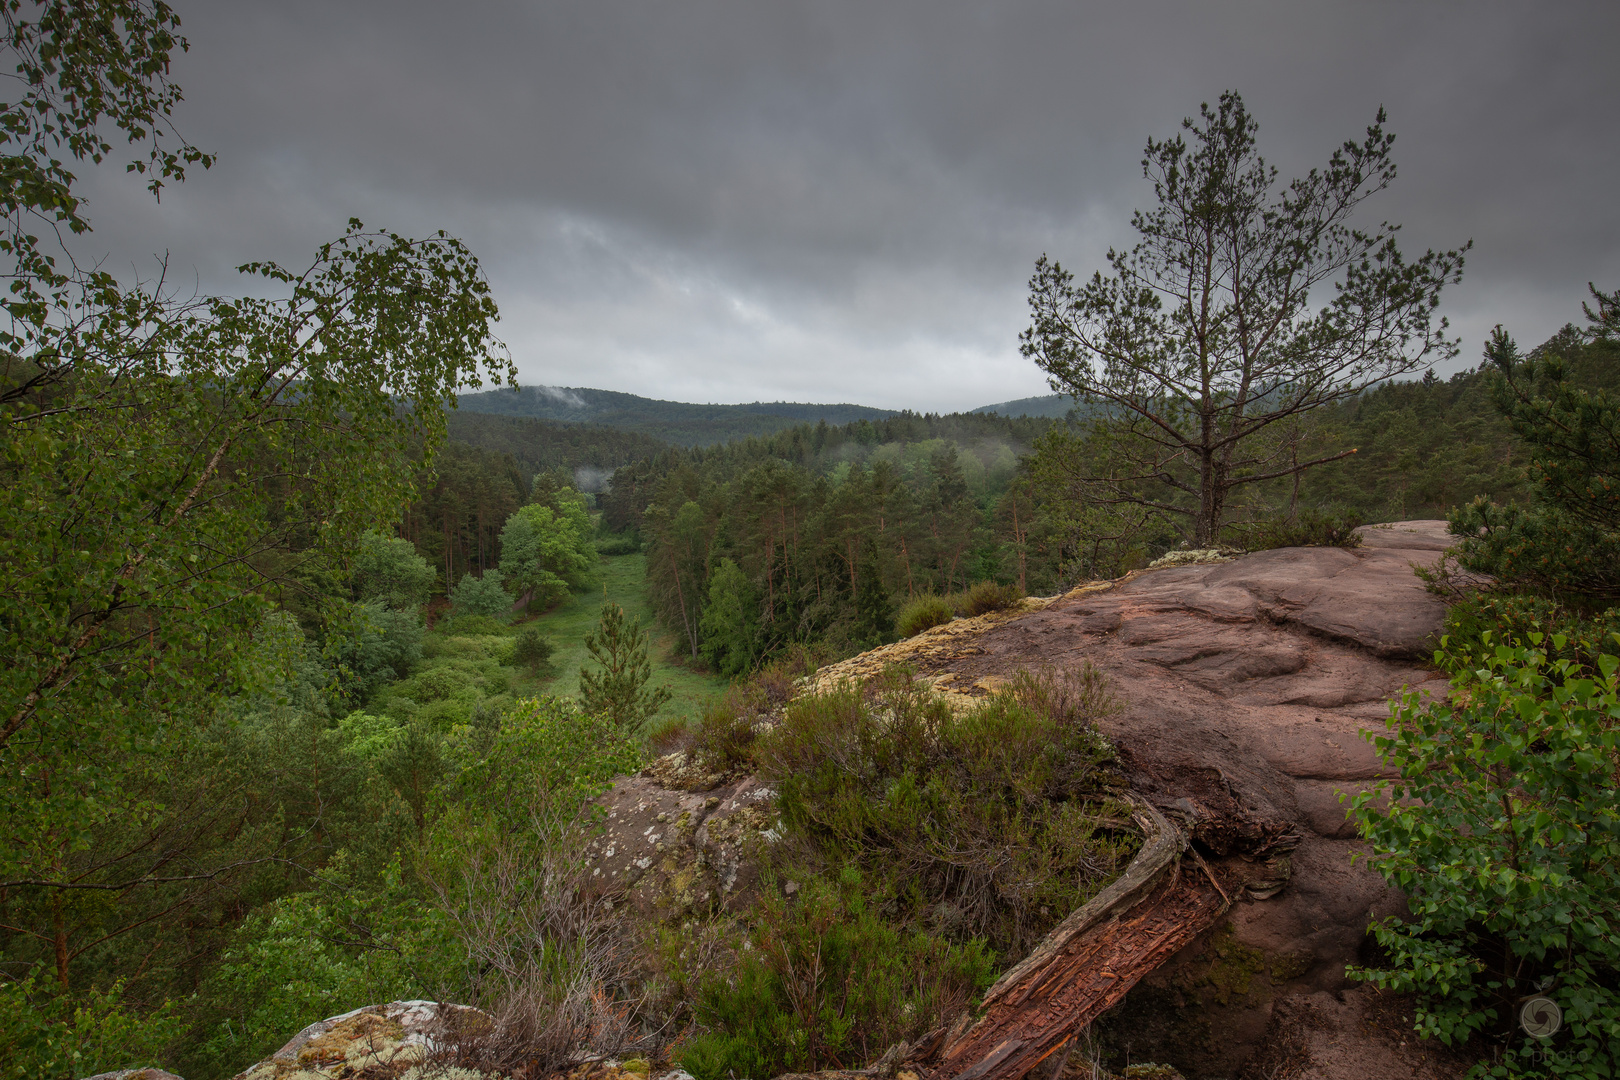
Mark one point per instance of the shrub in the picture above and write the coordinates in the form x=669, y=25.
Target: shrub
x=45, y=1037
x=1074, y=698
x=507, y=865
x=1543, y=549
x=485, y=595
x=725, y=732
x=779, y=679
x=1503, y=830
x=470, y=626
x=865, y=777
x=317, y=953
x=1479, y=622
x=370, y=644
x=1320, y=527
x=923, y=612
x=986, y=597
x=388, y=569
x=618, y=544
x=669, y=735
x=434, y=685
x=828, y=982
x=531, y=650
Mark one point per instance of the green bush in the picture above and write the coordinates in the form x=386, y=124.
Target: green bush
x=369, y=644
x=388, y=569
x=1480, y=622
x=469, y=626
x=923, y=612
x=986, y=597
x=1319, y=527
x=618, y=544
x=1503, y=831
x=44, y=1036
x=433, y=685
x=486, y=595
x=990, y=823
x=531, y=650
x=1543, y=549
x=828, y=983
x=317, y=954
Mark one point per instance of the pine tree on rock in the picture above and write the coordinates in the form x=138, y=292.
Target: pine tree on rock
x=1204, y=336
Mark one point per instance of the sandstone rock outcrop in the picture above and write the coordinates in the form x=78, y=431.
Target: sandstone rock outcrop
x=1247, y=686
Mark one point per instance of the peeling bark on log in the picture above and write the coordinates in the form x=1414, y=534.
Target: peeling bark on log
x=1085, y=965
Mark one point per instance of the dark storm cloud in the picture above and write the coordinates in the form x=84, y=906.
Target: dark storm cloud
x=824, y=201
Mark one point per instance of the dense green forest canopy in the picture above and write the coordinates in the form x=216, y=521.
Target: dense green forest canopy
x=785, y=532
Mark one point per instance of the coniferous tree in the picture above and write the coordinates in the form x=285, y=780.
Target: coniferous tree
x=1203, y=335
x=1568, y=544
x=619, y=691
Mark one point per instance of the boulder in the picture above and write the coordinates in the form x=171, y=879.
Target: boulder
x=672, y=852
x=377, y=1042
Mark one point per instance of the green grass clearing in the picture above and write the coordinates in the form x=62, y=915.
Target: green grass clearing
x=463, y=672
x=622, y=581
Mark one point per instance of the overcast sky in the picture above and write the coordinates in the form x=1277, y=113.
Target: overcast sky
x=827, y=201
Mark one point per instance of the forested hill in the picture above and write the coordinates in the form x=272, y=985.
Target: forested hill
x=1055, y=406
x=672, y=421
x=589, y=451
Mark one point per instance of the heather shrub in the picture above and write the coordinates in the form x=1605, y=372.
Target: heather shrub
x=828, y=982
x=1310, y=527
x=923, y=612
x=866, y=775
x=986, y=597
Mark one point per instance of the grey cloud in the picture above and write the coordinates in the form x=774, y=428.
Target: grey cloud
x=842, y=201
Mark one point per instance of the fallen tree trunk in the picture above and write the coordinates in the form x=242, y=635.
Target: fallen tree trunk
x=1033, y=1013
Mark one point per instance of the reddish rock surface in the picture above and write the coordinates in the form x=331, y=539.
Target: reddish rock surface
x=1247, y=686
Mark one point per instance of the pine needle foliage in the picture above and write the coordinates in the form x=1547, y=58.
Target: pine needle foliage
x=619, y=690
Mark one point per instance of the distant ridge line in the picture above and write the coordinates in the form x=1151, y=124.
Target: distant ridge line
x=691, y=424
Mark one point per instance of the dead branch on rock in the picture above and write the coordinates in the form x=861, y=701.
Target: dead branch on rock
x=1040, y=1006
